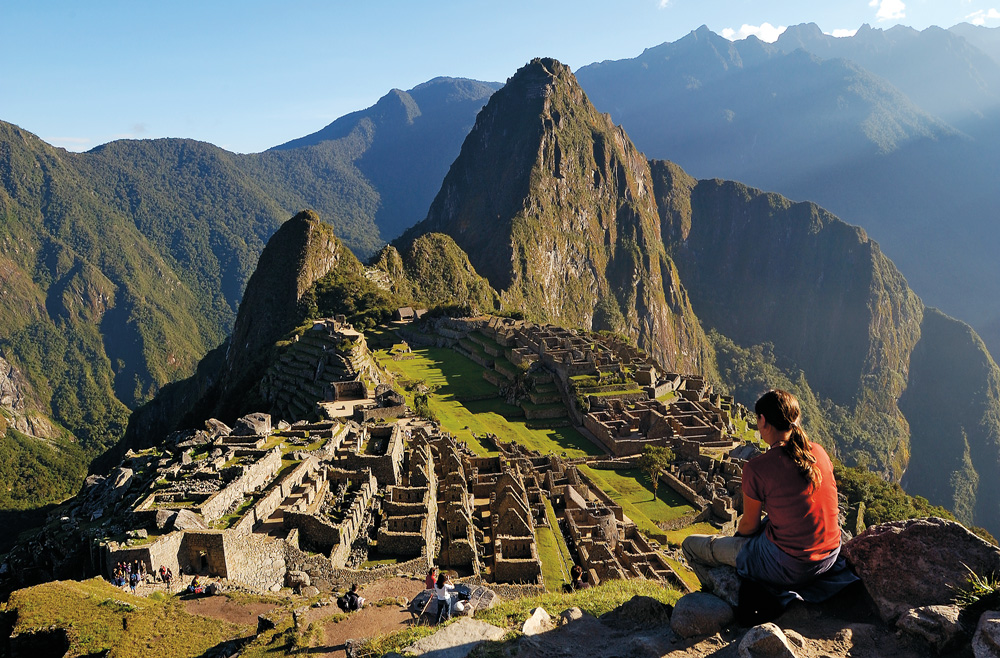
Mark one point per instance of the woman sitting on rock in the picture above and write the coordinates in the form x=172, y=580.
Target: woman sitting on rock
x=799, y=540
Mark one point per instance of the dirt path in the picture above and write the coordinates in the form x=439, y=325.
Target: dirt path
x=220, y=607
x=370, y=621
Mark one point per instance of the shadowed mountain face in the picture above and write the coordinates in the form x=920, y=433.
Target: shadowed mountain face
x=895, y=131
x=900, y=388
x=554, y=207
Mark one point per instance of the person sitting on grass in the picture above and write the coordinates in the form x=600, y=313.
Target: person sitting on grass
x=578, y=579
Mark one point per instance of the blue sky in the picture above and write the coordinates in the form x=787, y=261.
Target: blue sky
x=248, y=75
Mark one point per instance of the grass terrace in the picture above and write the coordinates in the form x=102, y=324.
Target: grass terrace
x=513, y=613
x=667, y=397
x=458, y=378
x=96, y=615
x=553, y=552
x=634, y=492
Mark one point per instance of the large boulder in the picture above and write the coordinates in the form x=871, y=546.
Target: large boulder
x=765, y=641
x=188, y=520
x=297, y=579
x=455, y=640
x=538, y=622
x=255, y=424
x=986, y=642
x=217, y=428
x=700, y=613
x=916, y=563
x=937, y=625
x=639, y=612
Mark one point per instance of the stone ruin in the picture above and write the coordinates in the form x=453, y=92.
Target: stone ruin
x=321, y=374
x=328, y=497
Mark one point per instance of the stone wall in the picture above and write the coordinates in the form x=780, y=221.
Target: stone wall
x=205, y=551
x=315, y=533
x=546, y=413
x=686, y=492
x=254, y=561
x=403, y=535
x=256, y=475
x=385, y=467
x=272, y=500
x=164, y=551
x=326, y=576
x=613, y=464
x=365, y=414
x=515, y=560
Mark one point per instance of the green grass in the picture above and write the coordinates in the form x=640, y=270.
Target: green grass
x=512, y=614
x=634, y=492
x=395, y=642
x=229, y=520
x=553, y=569
x=667, y=397
x=554, y=553
x=439, y=366
x=686, y=574
x=93, y=611
x=675, y=537
x=455, y=376
x=605, y=394
x=594, y=601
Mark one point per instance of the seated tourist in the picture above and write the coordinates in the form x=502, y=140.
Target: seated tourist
x=579, y=581
x=354, y=600
x=794, y=551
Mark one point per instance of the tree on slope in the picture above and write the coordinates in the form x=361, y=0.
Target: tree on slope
x=653, y=460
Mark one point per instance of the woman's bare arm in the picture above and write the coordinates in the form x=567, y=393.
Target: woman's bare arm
x=750, y=521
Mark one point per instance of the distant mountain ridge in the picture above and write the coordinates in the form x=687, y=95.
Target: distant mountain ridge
x=847, y=331
x=125, y=265
x=893, y=130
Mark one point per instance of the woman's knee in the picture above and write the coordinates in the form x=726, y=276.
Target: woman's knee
x=698, y=548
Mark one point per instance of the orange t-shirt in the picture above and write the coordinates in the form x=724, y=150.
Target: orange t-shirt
x=803, y=521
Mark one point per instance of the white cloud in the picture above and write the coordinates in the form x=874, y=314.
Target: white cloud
x=980, y=17
x=664, y=3
x=69, y=143
x=764, y=32
x=843, y=33
x=889, y=10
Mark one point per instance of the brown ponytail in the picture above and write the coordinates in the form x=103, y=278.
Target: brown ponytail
x=781, y=409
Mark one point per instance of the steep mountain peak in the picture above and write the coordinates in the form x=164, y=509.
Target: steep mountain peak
x=396, y=107
x=804, y=35
x=271, y=302
x=553, y=205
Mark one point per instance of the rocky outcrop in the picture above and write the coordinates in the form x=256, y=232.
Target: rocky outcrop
x=553, y=205
x=434, y=271
x=906, y=390
x=916, y=563
x=700, y=613
x=302, y=251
